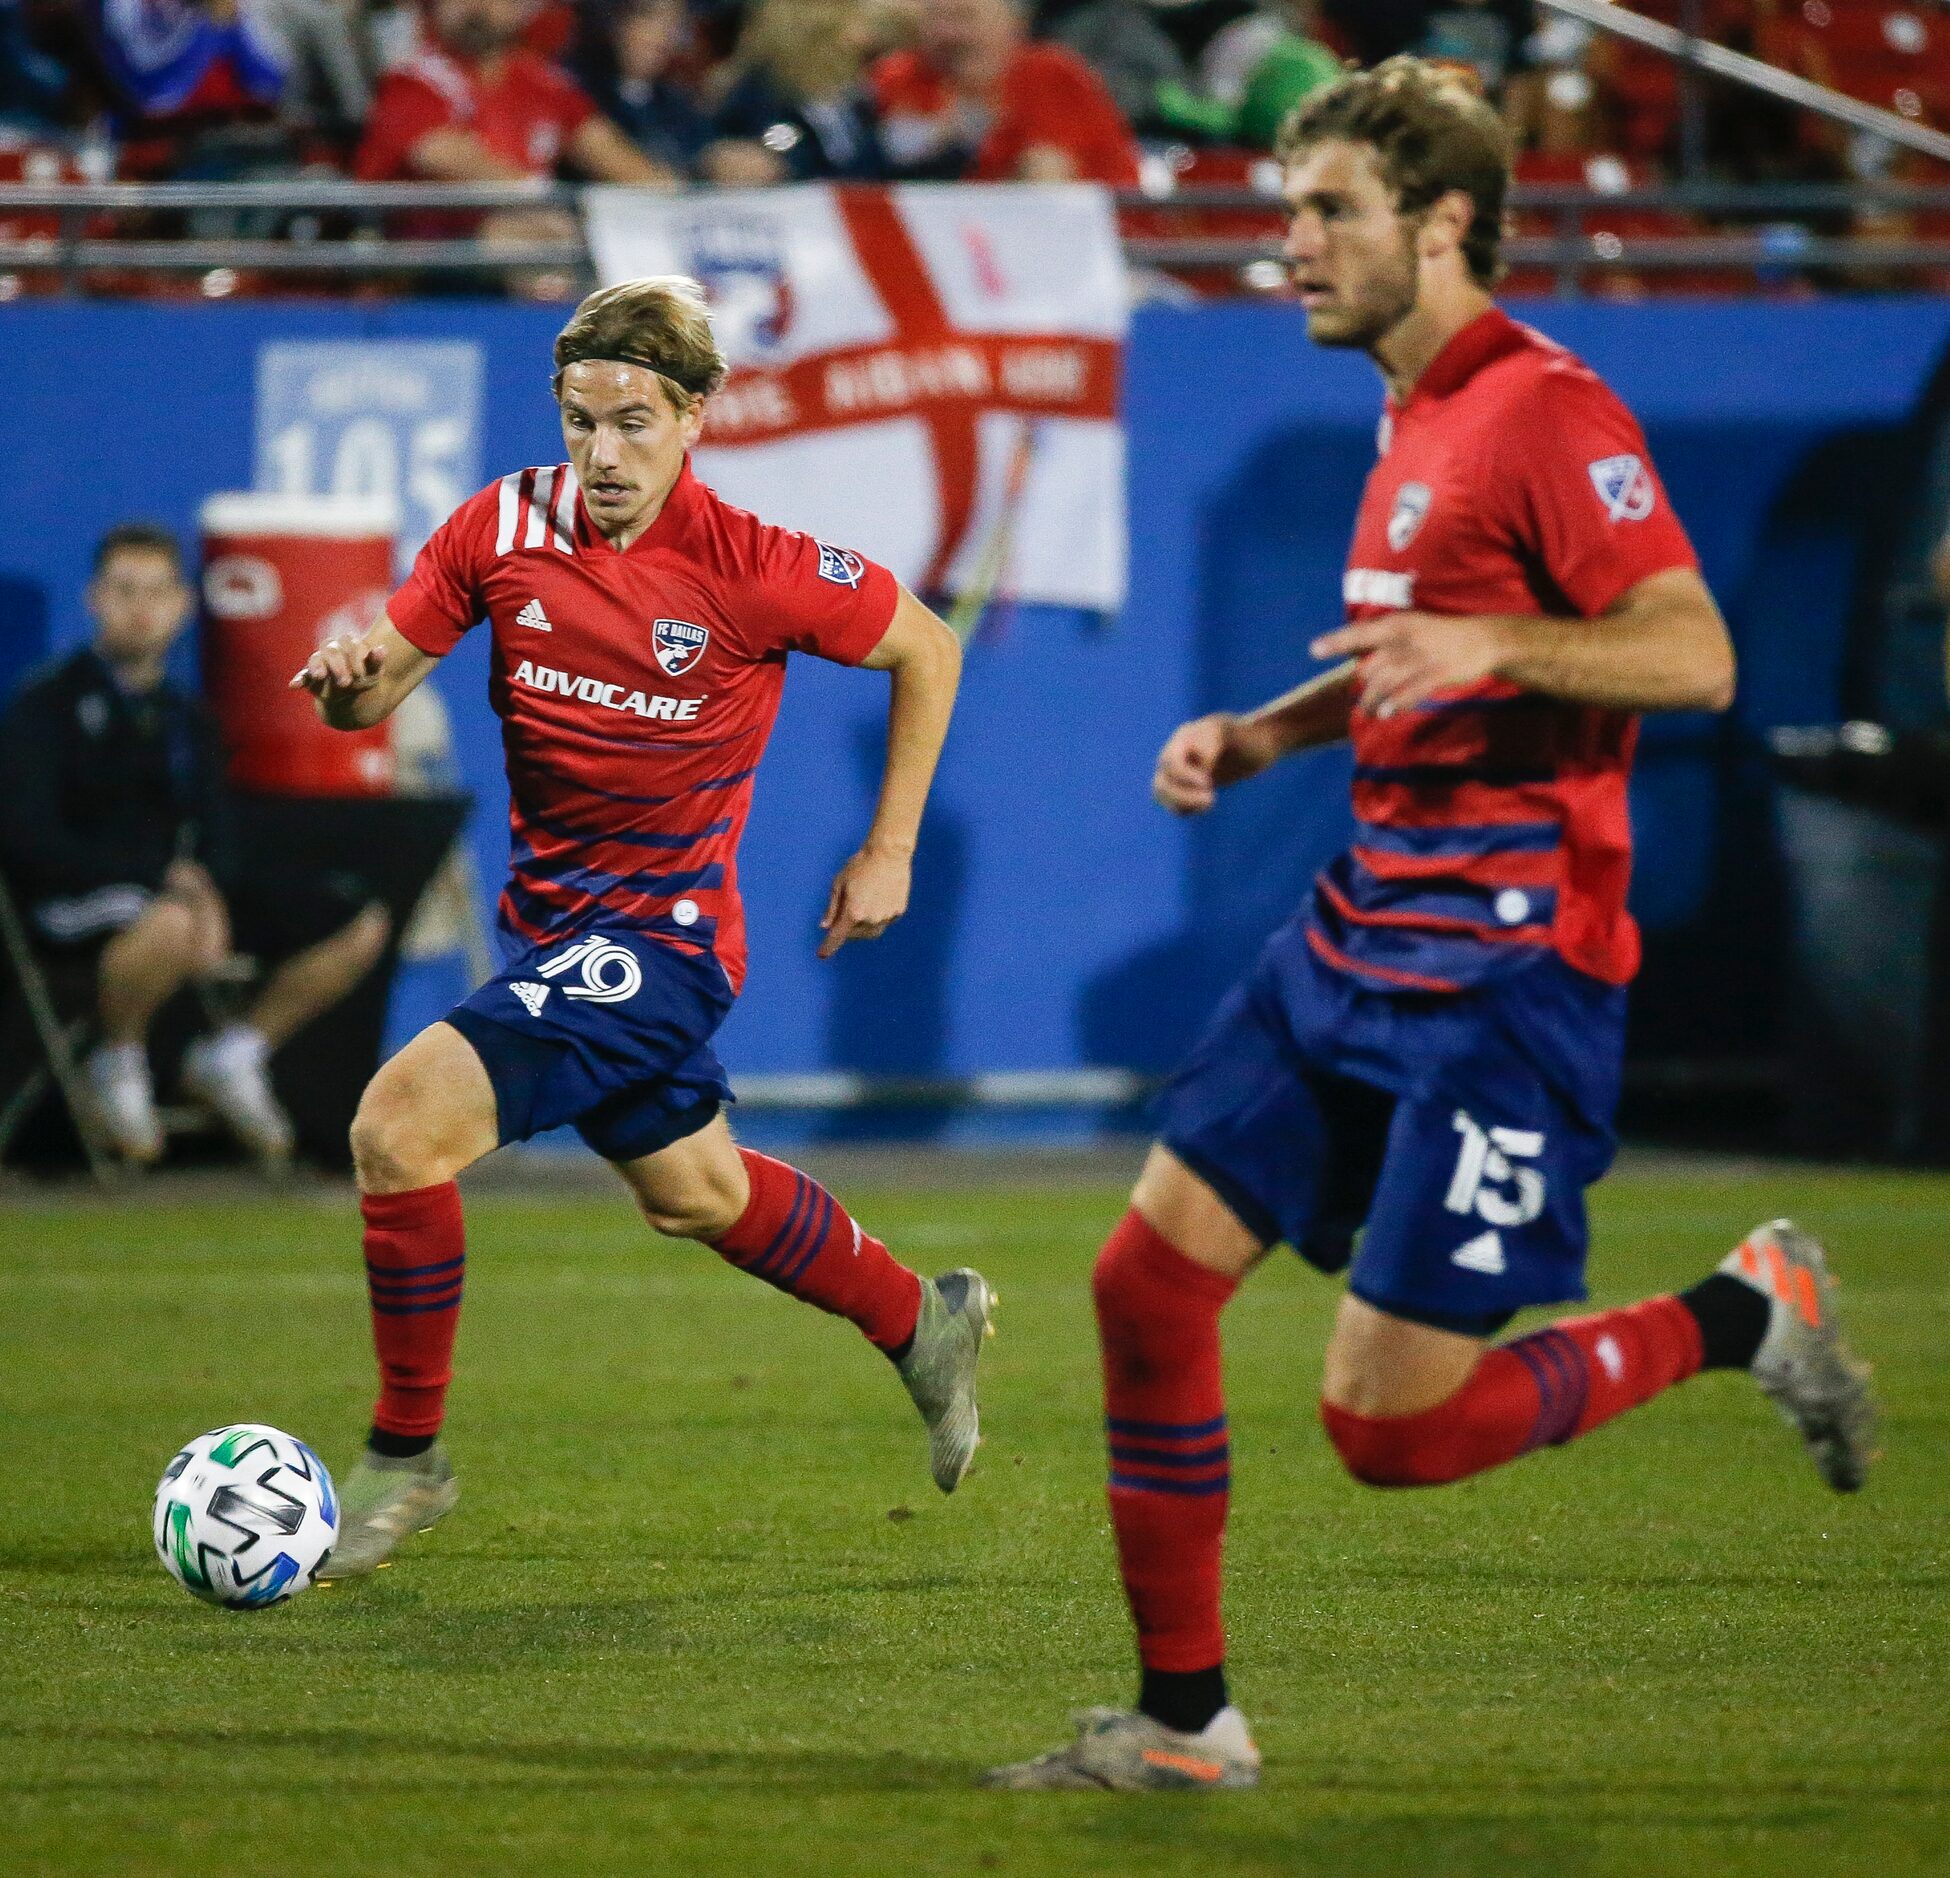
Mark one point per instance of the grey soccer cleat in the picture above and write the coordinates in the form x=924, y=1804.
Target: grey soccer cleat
x=1804, y=1365
x=939, y=1368
x=384, y=1500
x=1121, y=1751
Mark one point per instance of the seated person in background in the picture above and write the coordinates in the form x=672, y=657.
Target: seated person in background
x=797, y=109
x=114, y=831
x=975, y=99
x=625, y=61
x=473, y=105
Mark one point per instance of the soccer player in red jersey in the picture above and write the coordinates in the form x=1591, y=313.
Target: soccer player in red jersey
x=1429, y=1053
x=640, y=629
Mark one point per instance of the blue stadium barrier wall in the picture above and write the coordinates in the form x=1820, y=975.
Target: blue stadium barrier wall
x=1059, y=919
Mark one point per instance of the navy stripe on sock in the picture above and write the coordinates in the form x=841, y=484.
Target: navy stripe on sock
x=822, y=1225
x=1166, y=1431
x=1145, y=1457
x=1556, y=1366
x=794, y=1219
x=414, y=1271
x=402, y=1288
x=1133, y=1483
x=793, y=1243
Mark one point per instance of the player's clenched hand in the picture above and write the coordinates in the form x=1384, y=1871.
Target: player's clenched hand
x=340, y=667
x=1202, y=757
x=869, y=894
x=1406, y=658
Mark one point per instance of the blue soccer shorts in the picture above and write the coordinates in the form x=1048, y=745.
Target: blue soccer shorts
x=1452, y=1136
x=607, y=1031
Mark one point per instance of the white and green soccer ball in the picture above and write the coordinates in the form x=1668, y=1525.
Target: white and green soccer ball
x=245, y=1516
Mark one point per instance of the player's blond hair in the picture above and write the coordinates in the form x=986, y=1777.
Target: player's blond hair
x=1431, y=131
x=660, y=322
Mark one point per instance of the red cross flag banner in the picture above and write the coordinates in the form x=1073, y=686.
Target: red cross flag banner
x=925, y=372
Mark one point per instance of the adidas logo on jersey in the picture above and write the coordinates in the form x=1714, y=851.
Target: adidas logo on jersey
x=1482, y=1254
x=532, y=615
x=534, y=996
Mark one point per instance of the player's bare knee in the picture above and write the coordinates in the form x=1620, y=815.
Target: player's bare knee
x=392, y=1150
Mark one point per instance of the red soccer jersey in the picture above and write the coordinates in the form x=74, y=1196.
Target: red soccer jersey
x=525, y=114
x=1492, y=823
x=635, y=691
x=1047, y=96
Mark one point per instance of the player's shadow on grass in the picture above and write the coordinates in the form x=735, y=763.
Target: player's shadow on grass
x=400, y=1758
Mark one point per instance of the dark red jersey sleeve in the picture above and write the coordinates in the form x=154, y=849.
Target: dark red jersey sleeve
x=804, y=595
x=1580, y=493
x=442, y=596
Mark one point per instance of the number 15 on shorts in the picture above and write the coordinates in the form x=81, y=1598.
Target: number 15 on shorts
x=1489, y=1180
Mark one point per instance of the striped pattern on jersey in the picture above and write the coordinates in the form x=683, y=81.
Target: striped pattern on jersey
x=658, y=864
x=537, y=508
x=1483, y=822
x=1184, y=1458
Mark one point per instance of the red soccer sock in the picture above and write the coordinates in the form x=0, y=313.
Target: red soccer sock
x=1539, y=1391
x=795, y=1235
x=1165, y=1413
x=416, y=1255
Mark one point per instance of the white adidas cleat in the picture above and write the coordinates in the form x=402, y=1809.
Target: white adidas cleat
x=125, y=1100
x=1804, y=1365
x=957, y=1310
x=229, y=1075
x=383, y=1501
x=1122, y=1751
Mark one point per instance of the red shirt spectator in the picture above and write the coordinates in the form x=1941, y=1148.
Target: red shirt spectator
x=525, y=112
x=974, y=100
x=475, y=105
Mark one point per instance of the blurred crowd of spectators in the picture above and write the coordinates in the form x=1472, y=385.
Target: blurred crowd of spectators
x=751, y=92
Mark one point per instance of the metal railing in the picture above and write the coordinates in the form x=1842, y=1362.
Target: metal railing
x=341, y=230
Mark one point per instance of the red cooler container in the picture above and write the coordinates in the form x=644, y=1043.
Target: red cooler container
x=282, y=574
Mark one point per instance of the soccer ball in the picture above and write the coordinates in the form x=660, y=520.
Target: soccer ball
x=245, y=1516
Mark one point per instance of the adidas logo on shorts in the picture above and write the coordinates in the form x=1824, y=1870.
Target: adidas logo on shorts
x=532, y=615
x=533, y=996
x=1482, y=1254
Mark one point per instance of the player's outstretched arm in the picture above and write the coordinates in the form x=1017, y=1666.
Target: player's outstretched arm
x=358, y=679
x=1206, y=755
x=924, y=657
x=1661, y=647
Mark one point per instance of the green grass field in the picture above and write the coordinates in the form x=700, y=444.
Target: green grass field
x=701, y=1610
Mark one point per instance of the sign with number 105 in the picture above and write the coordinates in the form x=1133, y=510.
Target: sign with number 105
x=395, y=418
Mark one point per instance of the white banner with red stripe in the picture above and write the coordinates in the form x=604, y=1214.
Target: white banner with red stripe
x=927, y=372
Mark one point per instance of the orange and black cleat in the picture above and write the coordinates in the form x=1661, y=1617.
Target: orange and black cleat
x=1804, y=1365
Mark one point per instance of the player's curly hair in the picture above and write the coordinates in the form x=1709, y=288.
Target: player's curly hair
x=660, y=322
x=1431, y=131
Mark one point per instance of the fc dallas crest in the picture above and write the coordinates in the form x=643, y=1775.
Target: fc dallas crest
x=678, y=644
